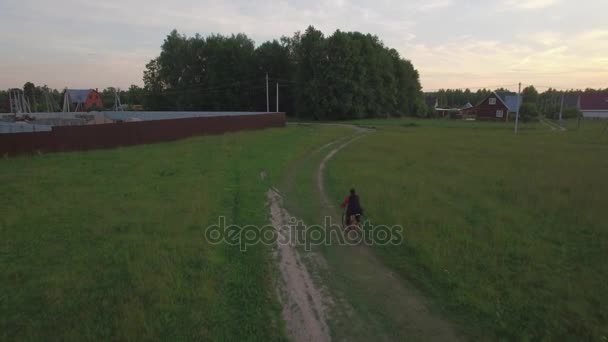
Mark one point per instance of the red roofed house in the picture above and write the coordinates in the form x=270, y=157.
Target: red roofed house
x=492, y=107
x=594, y=105
x=81, y=100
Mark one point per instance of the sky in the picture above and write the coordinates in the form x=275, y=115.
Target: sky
x=453, y=43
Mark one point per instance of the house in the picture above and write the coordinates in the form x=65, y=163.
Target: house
x=81, y=100
x=494, y=107
x=594, y=106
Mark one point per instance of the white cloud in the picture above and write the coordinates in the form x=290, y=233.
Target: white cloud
x=435, y=4
x=531, y=4
x=560, y=61
x=595, y=35
x=546, y=38
x=478, y=43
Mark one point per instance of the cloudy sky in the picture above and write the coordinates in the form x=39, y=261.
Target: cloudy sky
x=453, y=43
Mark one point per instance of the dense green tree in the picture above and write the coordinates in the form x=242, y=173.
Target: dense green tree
x=4, y=102
x=572, y=113
x=530, y=95
x=107, y=97
x=275, y=58
x=529, y=111
x=135, y=95
x=457, y=98
x=346, y=75
x=29, y=91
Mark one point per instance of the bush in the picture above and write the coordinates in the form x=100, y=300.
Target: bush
x=572, y=113
x=529, y=112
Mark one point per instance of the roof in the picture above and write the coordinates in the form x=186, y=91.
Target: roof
x=509, y=100
x=512, y=103
x=78, y=95
x=597, y=101
x=468, y=105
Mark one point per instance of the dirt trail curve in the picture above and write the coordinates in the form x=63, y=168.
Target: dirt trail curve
x=368, y=302
x=407, y=310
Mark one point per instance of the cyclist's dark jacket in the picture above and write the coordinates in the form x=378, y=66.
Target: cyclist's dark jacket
x=354, y=207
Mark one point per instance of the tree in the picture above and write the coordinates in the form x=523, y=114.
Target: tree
x=346, y=75
x=107, y=96
x=572, y=113
x=530, y=95
x=529, y=111
x=275, y=58
x=29, y=91
x=135, y=95
x=4, y=102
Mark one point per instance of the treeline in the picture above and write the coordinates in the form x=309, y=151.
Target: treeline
x=342, y=76
x=547, y=103
x=43, y=98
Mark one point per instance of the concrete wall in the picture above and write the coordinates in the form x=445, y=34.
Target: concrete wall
x=70, y=138
x=11, y=127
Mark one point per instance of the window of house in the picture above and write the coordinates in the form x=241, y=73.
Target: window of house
x=492, y=100
x=499, y=113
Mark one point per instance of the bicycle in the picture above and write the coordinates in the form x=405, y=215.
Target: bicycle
x=353, y=222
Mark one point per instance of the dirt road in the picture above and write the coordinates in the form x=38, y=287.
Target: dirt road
x=353, y=295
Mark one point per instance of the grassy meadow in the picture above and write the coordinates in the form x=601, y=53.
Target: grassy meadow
x=109, y=244
x=506, y=233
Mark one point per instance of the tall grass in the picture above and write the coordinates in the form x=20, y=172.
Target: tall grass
x=506, y=232
x=109, y=245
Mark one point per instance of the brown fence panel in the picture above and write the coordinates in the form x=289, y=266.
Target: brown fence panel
x=71, y=138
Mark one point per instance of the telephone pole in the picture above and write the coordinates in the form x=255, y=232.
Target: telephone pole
x=267, y=98
x=277, y=97
x=561, y=109
x=518, y=106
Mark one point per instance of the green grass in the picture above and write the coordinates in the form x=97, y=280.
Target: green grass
x=407, y=122
x=109, y=245
x=507, y=233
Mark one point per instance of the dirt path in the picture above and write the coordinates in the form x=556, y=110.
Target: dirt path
x=552, y=125
x=303, y=303
x=345, y=288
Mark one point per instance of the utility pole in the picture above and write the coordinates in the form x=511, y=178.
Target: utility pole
x=117, y=103
x=66, y=101
x=267, y=98
x=518, y=106
x=277, y=97
x=561, y=109
x=10, y=100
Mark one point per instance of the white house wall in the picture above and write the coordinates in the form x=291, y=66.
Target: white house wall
x=595, y=114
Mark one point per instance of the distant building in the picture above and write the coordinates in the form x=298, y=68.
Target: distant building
x=495, y=106
x=594, y=106
x=81, y=100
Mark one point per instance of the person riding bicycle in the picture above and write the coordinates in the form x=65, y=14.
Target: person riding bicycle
x=353, y=208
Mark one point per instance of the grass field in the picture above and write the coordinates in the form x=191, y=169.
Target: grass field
x=506, y=233
x=108, y=245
